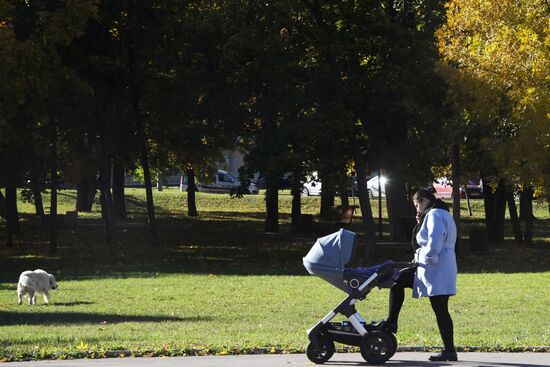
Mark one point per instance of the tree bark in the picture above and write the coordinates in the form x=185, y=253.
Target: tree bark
x=500, y=211
x=364, y=202
x=399, y=208
x=144, y=159
x=489, y=206
x=327, y=197
x=3, y=214
x=366, y=210
x=102, y=203
x=344, y=199
x=53, y=188
x=85, y=194
x=518, y=236
x=12, y=214
x=467, y=196
x=272, y=206
x=118, y=189
x=296, y=204
x=36, y=186
x=2, y=206
x=107, y=207
x=527, y=198
x=104, y=103
x=455, y=160
x=191, y=193
x=149, y=195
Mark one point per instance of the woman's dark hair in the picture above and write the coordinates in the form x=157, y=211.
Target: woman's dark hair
x=422, y=194
x=425, y=194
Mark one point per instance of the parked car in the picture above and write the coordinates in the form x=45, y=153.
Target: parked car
x=132, y=181
x=312, y=186
x=222, y=182
x=444, y=189
x=475, y=190
x=372, y=186
x=171, y=180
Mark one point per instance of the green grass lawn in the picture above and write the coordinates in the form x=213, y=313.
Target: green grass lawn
x=218, y=284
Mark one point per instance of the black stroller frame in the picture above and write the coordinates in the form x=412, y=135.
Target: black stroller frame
x=376, y=346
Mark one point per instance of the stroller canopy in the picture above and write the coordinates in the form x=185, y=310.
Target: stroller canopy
x=331, y=253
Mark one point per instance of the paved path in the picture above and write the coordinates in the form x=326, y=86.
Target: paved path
x=412, y=359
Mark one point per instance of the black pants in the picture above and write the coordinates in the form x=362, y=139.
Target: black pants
x=440, y=305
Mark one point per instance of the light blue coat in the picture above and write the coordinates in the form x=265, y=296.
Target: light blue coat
x=436, y=260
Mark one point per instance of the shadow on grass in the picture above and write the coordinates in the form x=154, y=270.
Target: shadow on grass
x=68, y=304
x=222, y=242
x=48, y=318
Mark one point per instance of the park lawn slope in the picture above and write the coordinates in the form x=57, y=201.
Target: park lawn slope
x=175, y=314
x=219, y=284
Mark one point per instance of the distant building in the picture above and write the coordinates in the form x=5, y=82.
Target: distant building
x=234, y=160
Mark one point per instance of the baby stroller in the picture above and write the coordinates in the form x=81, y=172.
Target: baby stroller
x=328, y=259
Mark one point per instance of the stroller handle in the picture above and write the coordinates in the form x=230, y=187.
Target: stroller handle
x=404, y=265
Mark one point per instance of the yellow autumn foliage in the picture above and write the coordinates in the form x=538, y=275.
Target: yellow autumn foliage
x=504, y=43
x=500, y=50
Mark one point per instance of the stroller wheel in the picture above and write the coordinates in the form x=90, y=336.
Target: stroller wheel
x=320, y=353
x=377, y=347
x=394, y=342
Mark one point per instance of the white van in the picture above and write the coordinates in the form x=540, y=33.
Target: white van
x=223, y=183
x=313, y=186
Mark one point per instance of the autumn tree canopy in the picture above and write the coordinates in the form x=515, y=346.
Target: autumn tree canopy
x=497, y=58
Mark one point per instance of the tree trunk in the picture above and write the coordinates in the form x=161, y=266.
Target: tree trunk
x=514, y=217
x=522, y=201
x=85, y=194
x=2, y=206
x=489, y=206
x=191, y=193
x=53, y=188
x=399, y=208
x=455, y=160
x=327, y=196
x=107, y=89
x=102, y=202
x=344, y=199
x=500, y=211
x=107, y=206
x=12, y=214
x=36, y=184
x=104, y=99
x=272, y=206
x=467, y=196
x=296, y=213
x=364, y=202
x=527, y=198
x=149, y=194
x=118, y=189
x=3, y=214
x=144, y=159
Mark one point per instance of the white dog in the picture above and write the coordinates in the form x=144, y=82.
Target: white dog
x=33, y=282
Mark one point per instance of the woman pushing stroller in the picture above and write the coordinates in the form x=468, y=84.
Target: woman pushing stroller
x=434, y=275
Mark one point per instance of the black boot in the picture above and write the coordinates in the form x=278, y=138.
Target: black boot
x=444, y=356
x=386, y=326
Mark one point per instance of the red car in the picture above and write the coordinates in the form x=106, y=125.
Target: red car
x=444, y=189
